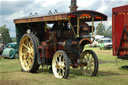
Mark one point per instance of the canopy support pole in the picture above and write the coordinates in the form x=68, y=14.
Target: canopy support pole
x=92, y=26
x=78, y=26
x=72, y=27
x=45, y=26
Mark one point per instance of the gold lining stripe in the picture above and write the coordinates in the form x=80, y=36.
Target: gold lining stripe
x=122, y=13
x=92, y=25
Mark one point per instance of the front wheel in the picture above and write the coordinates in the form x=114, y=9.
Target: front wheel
x=28, y=53
x=60, y=64
x=89, y=63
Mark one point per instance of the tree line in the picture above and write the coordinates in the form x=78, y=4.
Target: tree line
x=5, y=36
x=101, y=30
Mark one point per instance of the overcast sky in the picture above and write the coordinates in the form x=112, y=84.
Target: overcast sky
x=12, y=9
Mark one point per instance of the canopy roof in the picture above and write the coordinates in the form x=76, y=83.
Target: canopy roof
x=86, y=15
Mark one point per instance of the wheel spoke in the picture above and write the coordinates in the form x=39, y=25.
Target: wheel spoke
x=92, y=60
x=57, y=59
x=59, y=72
x=60, y=57
x=84, y=59
x=63, y=71
x=25, y=46
x=87, y=56
x=31, y=57
x=90, y=70
x=62, y=64
x=86, y=70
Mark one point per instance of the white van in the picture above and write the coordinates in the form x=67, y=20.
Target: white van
x=96, y=41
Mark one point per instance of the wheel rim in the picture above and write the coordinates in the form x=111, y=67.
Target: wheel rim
x=16, y=55
x=26, y=53
x=88, y=64
x=59, y=65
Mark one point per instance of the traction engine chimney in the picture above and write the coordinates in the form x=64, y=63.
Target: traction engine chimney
x=73, y=6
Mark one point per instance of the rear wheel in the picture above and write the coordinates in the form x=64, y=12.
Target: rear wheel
x=60, y=64
x=89, y=63
x=27, y=53
x=16, y=56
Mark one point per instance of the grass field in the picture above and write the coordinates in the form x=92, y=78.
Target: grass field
x=108, y=74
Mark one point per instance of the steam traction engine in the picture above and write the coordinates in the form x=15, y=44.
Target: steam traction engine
x=58, y=40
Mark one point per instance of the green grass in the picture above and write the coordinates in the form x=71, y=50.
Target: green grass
x=108, y=74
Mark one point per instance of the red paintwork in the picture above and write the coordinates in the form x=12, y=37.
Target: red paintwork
x=60, y=45
x=119, y=21
x=50, y=49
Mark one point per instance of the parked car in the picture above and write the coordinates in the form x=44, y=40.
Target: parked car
x=1, y=44
x=105, y=43
x=10, y=51
x=1, y=48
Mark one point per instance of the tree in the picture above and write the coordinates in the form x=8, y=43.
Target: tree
x=5, y=34
x=108, y=32
x=100, y=29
